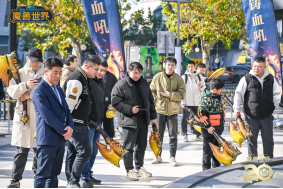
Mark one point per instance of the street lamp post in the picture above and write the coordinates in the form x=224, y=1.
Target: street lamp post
x=178, y=49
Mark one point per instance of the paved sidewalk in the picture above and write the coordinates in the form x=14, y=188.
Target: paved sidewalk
x=189, y=157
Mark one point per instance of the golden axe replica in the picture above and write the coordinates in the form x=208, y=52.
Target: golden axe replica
x=9, y=62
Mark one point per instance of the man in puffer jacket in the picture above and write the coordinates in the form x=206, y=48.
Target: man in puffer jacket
x=133, y=100
x=194, y=86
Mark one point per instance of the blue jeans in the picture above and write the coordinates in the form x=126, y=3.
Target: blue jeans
x=0, y=111
x=93, y=135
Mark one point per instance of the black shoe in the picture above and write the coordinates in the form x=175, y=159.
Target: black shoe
x=86, y=184
x=94, y=181
x=15, y=183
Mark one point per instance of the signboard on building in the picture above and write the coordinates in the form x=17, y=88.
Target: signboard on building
x=30, y=14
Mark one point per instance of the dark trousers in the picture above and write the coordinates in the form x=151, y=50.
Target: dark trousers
x=184, y=123
x=50, y=160
x=172, y=126
x=20, y=161
x=208, y=154
x=79, y=152
x=108, y=126
x=266, y=127
x=135, y=141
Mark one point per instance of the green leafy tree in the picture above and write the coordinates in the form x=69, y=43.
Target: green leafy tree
x=207, y=21
x=69, y=28
x=144, y=29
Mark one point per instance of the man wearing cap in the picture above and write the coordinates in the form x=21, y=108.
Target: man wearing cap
x=22, y=134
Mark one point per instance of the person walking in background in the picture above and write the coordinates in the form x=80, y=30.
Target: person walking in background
x=109, y=80
x=2, y=95
x=261, y=94
x=133, y=100
x=168, y=88
x=22, y=135
x=69, y=67
x=78, y=93
x=194, y=86
x=54, y=125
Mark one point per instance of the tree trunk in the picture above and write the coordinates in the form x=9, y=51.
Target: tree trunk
x=77, y=51
x=206, y=53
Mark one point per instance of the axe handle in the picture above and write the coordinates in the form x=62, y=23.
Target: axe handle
x=228, y=102
x=18, y=81
x=102, y=132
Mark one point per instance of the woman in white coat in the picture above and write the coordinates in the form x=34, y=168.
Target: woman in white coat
x=193, y=92
x=22, y=135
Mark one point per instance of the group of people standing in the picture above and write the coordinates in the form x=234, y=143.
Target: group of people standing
x=57, y=114
x=60, y=113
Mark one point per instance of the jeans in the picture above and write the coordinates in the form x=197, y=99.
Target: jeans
x=93, y=136
x=172, y=125
x=266, y=127
x=20, y=161
x=184, y=123
x=50, y=161
x=79, y=152
x=135, y=141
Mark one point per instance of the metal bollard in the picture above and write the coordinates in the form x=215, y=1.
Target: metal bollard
x=9, y=130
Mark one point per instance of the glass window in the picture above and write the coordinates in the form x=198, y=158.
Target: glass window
x=6, y=14
x=4, y=40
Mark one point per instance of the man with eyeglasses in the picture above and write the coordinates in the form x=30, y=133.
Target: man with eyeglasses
x=78, y=90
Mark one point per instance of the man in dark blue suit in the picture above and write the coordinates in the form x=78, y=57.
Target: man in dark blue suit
x=54, y=125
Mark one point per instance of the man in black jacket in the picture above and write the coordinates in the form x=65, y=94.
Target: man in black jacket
x=78, y=90
x=133, y=100
x=94, y=135
x=109, y=80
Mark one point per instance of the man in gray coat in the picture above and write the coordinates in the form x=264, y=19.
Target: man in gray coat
x=133, y=100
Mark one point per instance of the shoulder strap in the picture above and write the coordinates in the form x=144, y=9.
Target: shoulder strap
x=186, y=78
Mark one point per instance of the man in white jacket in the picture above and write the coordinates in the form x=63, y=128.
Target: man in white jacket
x=261, y=93
x=22, y=135
x=194, y=86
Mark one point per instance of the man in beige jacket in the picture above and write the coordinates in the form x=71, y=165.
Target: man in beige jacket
x=168, y=88
x=69, y=67
x=22, y=135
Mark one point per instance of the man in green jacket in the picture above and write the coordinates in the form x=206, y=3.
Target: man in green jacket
x=168, y=88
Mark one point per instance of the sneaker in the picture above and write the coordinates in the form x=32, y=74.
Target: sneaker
x=173, y=162
x=199, y=138
x=143, y=173
x=73, y=185
x=15, y=183
x=86, y=183
x=94, y=181
x=157, y=160
x=185, y=139
x=132, y=175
